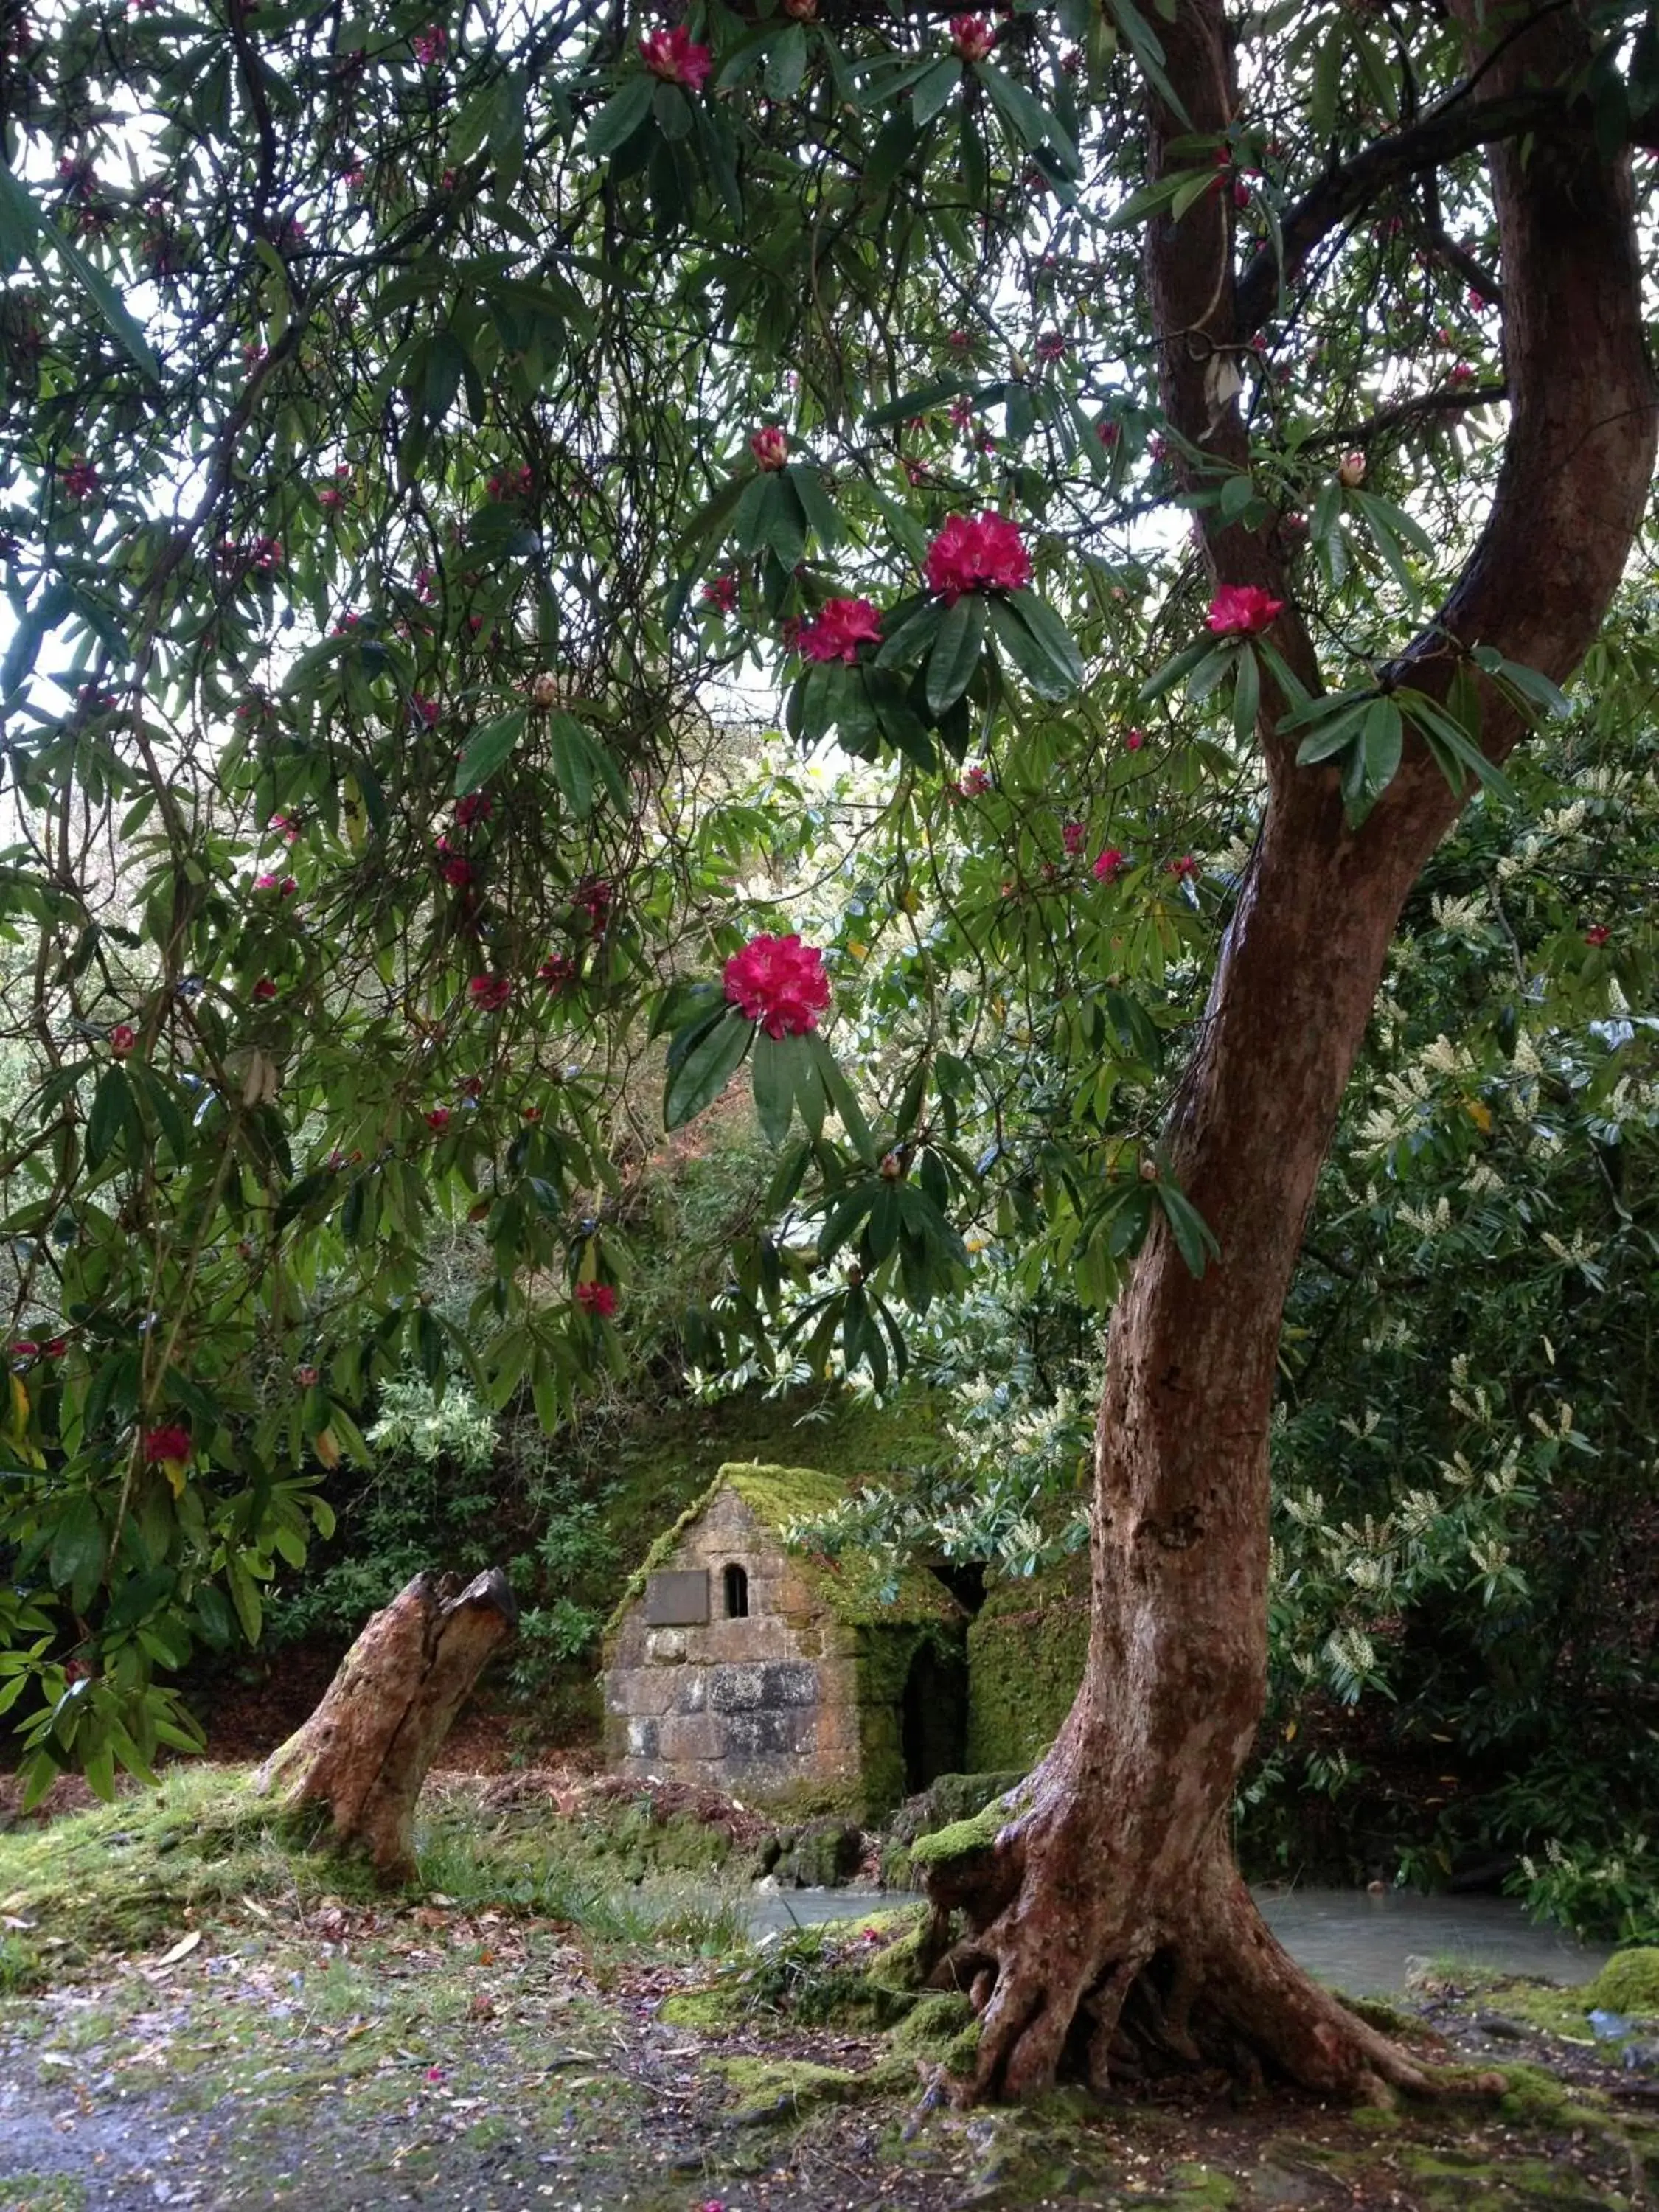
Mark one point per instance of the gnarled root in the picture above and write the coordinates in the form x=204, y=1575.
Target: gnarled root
x=1115, y=1967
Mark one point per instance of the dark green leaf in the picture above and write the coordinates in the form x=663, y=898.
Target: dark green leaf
x=706, y=1068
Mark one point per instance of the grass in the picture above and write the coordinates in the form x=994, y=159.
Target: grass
x=129, y=1877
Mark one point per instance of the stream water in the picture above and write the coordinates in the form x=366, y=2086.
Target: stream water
x=1358, y=1941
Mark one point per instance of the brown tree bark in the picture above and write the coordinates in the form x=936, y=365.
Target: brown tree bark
x=365, y=1751
x=1107, y=1928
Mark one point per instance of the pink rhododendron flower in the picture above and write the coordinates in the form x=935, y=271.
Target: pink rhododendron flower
x=264, y=988
x=1243, y=610
x=457, y=872
x=592, y=898
x=769, y=446
x=779, y=982
x=1350, y=470
x=721, y=592
x=172, y=1442
x=972, y=782
x=25, y=1348
x=1050, y=346
x=597, y=1298
x=1461, y=374
x=80, y=478
x=676, y=57
x=1599, y=935
x=1072, y=837
x=1133, y=740
x=968, y=555
x=423, y=710
x=490, y=993
x=973, y=36
x=121, y=1039
x=1183, y=868
x=1109, y=433
x=477, y=806
x=1110, y=865
x=557, y=971
x=838, y=630
x=429, y=45
x=438, y=1119
x=962, y=412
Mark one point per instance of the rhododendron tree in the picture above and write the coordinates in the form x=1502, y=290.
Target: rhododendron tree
x=642, y=361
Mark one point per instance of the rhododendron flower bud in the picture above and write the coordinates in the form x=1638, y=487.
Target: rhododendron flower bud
x=1109, y=865
x=170, y=1443
x=490, y=993
x=264, y=988
x=121, y=1039
x=1243, y=610
x=1460, y=373
x=1072, y=836
x=307, y=1378
x=779, y=982
x=1599, y=935
x=599, y=1298
x=973, y=36
x=1107, y=433
x=801, y=11
x=1133, y=740
x=836, y=632
x=438, y=1119
x=56, y=1349
x=544, y=689
x=25, y=1348
x=1350, y=470
x=769, y=446
x=982, y=555
x=676, y=57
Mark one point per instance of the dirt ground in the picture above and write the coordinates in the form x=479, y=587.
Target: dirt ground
x=338, y=2057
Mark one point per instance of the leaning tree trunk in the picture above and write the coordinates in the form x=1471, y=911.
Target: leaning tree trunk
x=365, y=1752
x=1107, y=1927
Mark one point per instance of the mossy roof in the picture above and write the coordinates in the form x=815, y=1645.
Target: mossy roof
x=861, y=1591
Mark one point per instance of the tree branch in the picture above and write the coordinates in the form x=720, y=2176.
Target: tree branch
x=1457, y=127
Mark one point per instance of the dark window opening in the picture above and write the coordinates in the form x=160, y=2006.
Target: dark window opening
x=933, y=1717
x=964, y=1579
x=737, y=1593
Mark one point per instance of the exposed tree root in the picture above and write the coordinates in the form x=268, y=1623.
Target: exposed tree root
x=1137, y=1972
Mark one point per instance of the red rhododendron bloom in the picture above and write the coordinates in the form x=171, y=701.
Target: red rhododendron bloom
x=438, y=1119
x=80, y=479
x=1108, y=432
x=557, y=971
x=1050, y=346
x=170, y=1443
x=1072, y=836
x=1181, y=869
x=597, y=1298
x=592, y=898
x=121, y=1039
x=423, y=710
x=973, y=36
x=477, y=806
x=490, y=993
x=676, y=57
x=1135, y=740
x=264, y=988
x=429, y=45
x=457, y=872
x=836, y=632
x=1599, y=935
x=769, y=446
x=1110, y=865
x=721, y=592
x=968, y=555
x=779, y=982
x=25, y=1348
x=1243, y=610
x=972, y=783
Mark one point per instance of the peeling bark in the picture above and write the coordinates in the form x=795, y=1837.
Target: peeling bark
x=1107, y=1931
x=366, y=1750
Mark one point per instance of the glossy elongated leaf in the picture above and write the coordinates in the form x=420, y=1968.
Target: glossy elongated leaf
x=706, y=1068
x=487, y=748
x=621, y=116
x=956, y=652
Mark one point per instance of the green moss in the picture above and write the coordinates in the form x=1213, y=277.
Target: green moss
x=933, y=2023
x=781, y=2089
x=899, y=1966
x=1629, y=1983
x=962, y=1839
x=1534, y=2098
x=1026, y=1650
x=717, y=2007
x=1194, y=2185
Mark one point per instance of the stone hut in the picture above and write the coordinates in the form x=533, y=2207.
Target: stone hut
x=774, y=1674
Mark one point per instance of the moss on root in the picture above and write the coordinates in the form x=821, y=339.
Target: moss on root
x=935, y=2024
x=1629, y=1983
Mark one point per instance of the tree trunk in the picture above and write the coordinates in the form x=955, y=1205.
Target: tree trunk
x=1107, y=1930
x=365, y=1752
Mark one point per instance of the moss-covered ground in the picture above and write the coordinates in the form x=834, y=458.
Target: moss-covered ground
x=199, y=2013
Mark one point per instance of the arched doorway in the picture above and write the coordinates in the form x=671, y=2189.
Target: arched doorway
x=933, y=1716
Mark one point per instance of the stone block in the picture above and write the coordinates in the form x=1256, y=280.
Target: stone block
x=643, y=1738
x=692, y=1691
x=685, y=1736
x=666, y=1645
x=676, y=1598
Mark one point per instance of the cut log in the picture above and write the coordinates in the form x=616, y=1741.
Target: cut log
x=365, y=1751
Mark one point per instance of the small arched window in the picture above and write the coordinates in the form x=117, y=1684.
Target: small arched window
x=737, y=1593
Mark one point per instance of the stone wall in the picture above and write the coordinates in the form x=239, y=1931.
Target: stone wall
x=1026, y=1650
x=767, y=1705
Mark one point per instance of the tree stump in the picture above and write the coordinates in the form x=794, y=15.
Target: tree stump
x=366, y=1749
